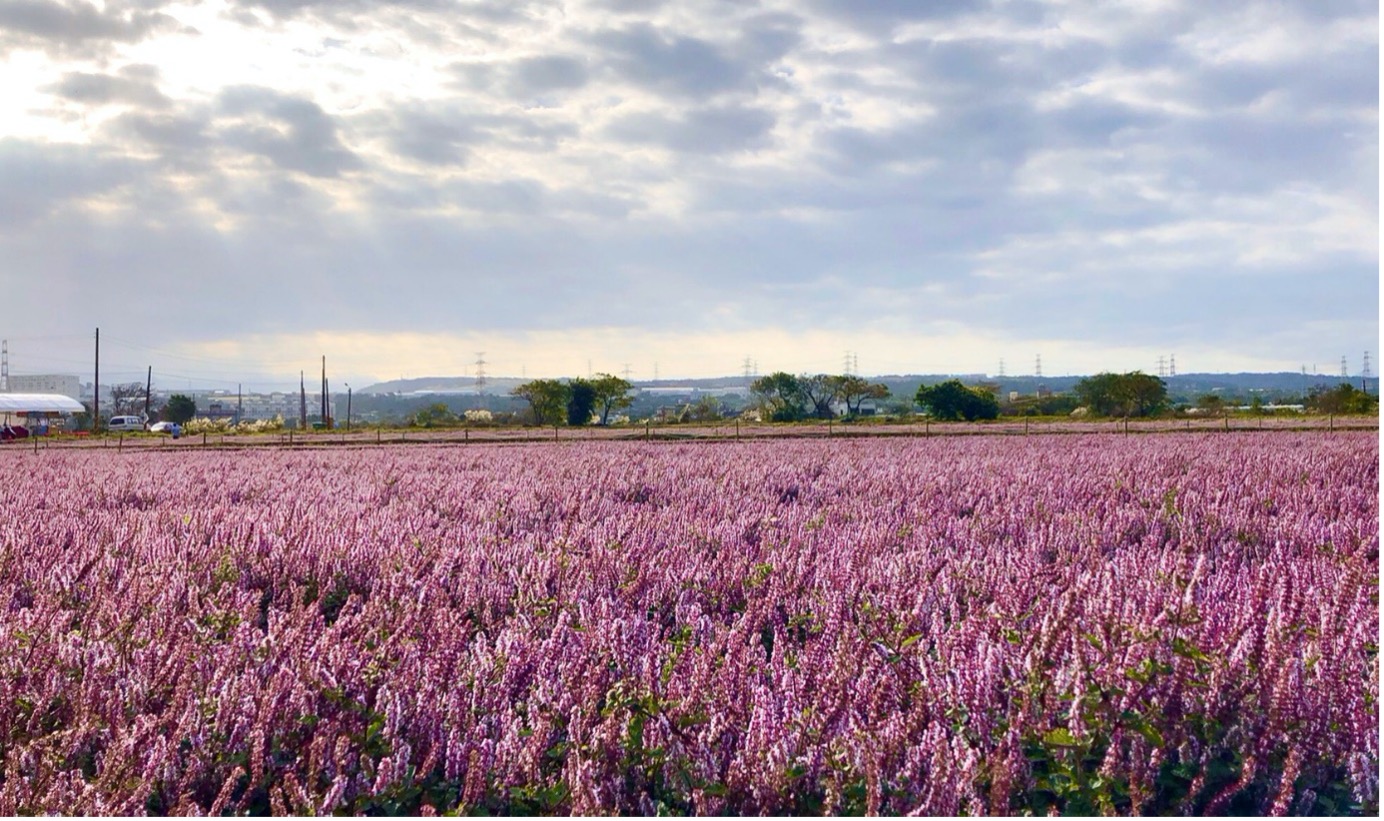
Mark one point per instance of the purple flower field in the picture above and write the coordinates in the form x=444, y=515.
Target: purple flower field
x=979, y=625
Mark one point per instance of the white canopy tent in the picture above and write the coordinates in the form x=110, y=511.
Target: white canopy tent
x=39, y=403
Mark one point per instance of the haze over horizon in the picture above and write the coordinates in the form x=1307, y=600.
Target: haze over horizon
x=232, y=189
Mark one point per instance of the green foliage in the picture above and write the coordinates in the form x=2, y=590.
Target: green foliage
x=1212, y=404
x=780, y=397
x=1123, y=394
x=547, y=400
x=611, y=393
x=853, y=390
x=952, y=401
x=581, y=401
x=179, y=410
x=435, y=415
x=1053, y=405
x=1344, y=398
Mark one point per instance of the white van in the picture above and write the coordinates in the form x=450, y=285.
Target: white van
x=123, y=423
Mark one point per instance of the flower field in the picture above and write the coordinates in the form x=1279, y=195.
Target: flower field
x=1081, y=623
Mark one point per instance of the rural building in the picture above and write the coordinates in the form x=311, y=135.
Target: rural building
x=62, y=384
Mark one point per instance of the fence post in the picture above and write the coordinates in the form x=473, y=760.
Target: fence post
x=737, y=429
x=646, y=430
x=120, y=443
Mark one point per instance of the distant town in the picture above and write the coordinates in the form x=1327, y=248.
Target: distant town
x=400, y=402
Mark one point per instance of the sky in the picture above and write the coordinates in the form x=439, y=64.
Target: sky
x=231, y=190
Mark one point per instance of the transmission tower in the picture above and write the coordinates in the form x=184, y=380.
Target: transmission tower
x=1001, y=366
x=1345, y=372
x=627, y=371
x=5, y=366
x=855, y=364
x=1162, y=368
x=747, y=369
x=1365, y=370
x=846, y=365
x=1172, y=364
x=480, y=370
x=1038, y=365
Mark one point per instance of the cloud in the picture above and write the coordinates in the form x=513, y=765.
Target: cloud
x=1122, y=176
x=76, y=27
x=294, y=133
x=711, y=130
x=133, y=85
x=644, y=56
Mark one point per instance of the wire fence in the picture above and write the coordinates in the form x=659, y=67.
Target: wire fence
x=726, y=430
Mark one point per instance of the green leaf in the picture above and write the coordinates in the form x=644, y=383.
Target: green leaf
x=1060, y=737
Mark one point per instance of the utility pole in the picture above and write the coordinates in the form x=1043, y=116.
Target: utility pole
x=348, y=406
x=96, y=392
x=238, y=404
x=324, y=393
x=302, y=401
x=148, y=386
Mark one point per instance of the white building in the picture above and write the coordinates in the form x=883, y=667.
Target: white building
x=64, y=384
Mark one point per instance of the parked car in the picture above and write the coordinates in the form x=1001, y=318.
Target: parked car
x=167, y=427
x=125, y=423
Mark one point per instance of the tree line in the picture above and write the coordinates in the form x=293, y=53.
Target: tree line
x=786, y=397
x=576, y=401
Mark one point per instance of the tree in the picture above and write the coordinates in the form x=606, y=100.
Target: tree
x=818, y=392
x=854, y=390
x=1211, y=404
x=1123, y=394
x=434, y=416
x=547, y=399
x=781, y=395
x=1344, y=398
x=612, y=393
x=127, y=399
x=705, y=409
x=581, y=401
x=951, y=400
x=179, y=410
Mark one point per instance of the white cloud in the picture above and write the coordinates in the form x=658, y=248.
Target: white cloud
x=541, y=173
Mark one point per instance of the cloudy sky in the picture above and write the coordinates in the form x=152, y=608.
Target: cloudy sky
x=231, y=189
